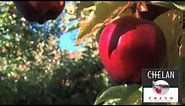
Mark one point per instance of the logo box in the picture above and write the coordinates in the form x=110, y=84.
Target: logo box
x=160, y=85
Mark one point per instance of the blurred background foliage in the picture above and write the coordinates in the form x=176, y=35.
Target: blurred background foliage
x=35, y=70
x=39, y=64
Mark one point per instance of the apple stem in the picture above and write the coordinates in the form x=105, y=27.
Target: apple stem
x=138, y=7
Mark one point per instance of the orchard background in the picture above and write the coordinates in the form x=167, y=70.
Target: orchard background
x=34, y=69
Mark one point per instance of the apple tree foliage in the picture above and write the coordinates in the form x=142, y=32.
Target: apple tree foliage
x=34, y=70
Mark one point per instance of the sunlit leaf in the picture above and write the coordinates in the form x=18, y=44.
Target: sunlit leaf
x=180, y=4
x=116, y=92
x=100, y=15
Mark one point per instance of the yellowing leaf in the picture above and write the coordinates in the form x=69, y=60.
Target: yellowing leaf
x=169, y=22
x=102, y=12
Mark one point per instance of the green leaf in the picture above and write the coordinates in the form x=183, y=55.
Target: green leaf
x=167, y=4
x=112, y=101
x=116, y=92
x=133, y=99
x=180, y=5
x=99, y=33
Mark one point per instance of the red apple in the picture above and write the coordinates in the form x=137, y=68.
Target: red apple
x=40, y=11
x=128, y=45
x=158, y=89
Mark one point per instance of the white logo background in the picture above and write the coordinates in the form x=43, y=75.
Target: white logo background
x=150, y=96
